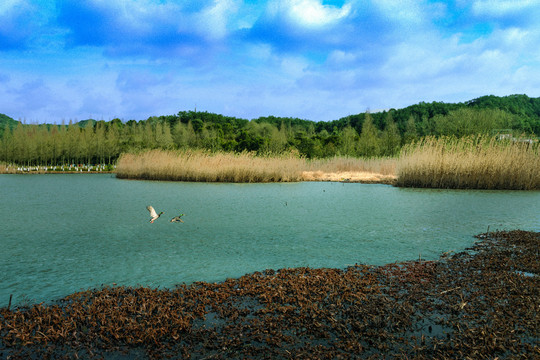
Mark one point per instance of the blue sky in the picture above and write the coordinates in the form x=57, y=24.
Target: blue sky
x=316, y=60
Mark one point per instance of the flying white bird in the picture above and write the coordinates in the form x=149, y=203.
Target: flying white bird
x=153, y=214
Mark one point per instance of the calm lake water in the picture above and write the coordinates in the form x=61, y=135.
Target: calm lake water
x=65, y=233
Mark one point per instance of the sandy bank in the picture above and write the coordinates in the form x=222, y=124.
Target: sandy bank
x=349, y=176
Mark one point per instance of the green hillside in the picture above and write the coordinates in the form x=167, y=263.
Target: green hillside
x=360, y=135
x=6, y=121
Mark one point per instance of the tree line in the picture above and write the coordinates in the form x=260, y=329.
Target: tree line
x=362, y=135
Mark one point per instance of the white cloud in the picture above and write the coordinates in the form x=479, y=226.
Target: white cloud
x=409, y=11
x=310, y=13
x=514, y=40
x=339, y=57
x=8, y=6
x=212, y=22
x=260, y=52
x=293, y=57
x=499, y=8
x=293, y=66
x=515, y=35
x=525, y=80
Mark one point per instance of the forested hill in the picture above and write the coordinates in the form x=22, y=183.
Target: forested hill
x=6, y=121
x=518, y=112
x=525, y=111
x=366, y=134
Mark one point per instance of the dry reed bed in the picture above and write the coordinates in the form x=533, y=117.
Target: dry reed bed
x=210, y=167
x=476, y=162
x=243, y=167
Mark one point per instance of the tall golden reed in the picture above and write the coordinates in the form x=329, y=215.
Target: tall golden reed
x=474, y=162
x=199, y=165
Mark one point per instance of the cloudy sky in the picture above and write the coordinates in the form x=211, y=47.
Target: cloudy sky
x=312, y=59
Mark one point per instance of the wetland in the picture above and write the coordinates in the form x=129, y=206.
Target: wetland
x=84, y=243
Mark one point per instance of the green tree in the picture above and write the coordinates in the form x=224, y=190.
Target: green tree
x=369, y=144
x=73, y=143
x=148, y=136
x=179, y=135
x=7, y=145
x=134, y=138
x=35, y=144
x=164, y=138
x=62, y=143
x=112, y=142
x=349, y=141
x=100, y=142
x=191, y=136
x=198, y=125
x=278, y=140
x=411, y=134
x=20, y=145
x=55, y=144
x=88, y=144
x=469, y=121
x=391, y=139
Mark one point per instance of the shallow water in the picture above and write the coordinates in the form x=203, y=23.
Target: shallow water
x=65, y=233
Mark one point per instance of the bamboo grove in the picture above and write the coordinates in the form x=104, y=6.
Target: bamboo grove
x=366, y=135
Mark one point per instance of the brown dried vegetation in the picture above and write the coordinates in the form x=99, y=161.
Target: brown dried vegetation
x=479, y=304
x=204, y=166
x=471, y=162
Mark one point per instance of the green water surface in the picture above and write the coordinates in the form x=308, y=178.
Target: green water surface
x=65, y=233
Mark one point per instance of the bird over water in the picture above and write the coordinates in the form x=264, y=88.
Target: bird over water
x=153, y=214
x=177, y=218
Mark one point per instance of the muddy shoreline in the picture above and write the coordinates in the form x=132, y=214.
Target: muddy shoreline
x=482, y=303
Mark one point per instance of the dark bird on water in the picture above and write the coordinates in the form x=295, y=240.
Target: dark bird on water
x=153, y=214
x=177, y=218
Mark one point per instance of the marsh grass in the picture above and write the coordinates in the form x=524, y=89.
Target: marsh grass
x=7, y=169
x=198, y=165
x=474, y=162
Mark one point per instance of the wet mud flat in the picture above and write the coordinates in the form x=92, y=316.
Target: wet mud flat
x=483, y=303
